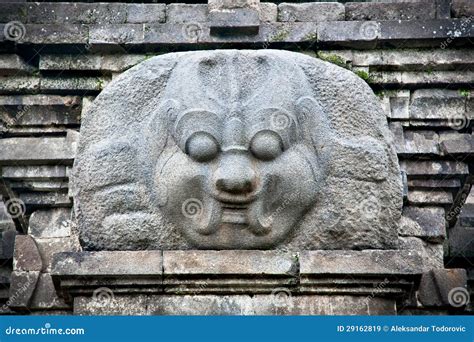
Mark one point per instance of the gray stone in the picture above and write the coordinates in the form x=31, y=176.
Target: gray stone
x=37, y=150
x=315, y=12
x=45, y=296
x=186, y=13
x=268, y=11
x=107, y=63
x=109, y=264
x=48, y=247
x=280, y=303
x=461, y=243
x=219, y=5
x=367, y=262
x=50, y=223
x=432, y=253
x=14, y=65
x=443, y=287
x=41, y=172
x=27, y=256
x=279, y=198
x=390, y=11
x=146, y=13
x=428, y=223
x=22, y=287
x=55, y=34
x=432, y=197
x=456, y=143
x=445, y=184
x=434, y=168
x=436, y=104
x=8, y=240
x=229, y=262
x=46, y=199
x=462, y=8
x=420, y=142
x=234, y=21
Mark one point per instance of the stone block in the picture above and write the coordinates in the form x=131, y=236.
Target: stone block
x=40, y=172
x=366, y=262
x=399, y=102
x=268, y=11
x=40, y=110
x=444, y=288
x=462, y=8
x=420, y=142
x=428, y=223
x=434, y=168
x=46, y=199
x=461, y=242
x=433, y=253
x=45, y=296
x=218, y=5
x=186, y=13
x=398, y=32
x=48, y=247
x=427, y=184
x=37, y=150
x=51, y=223
x=83, y=84
x=466, y=218
x=314, y=12
x=433, y=197
x=19, y=84
x=229, y=262
x=116, y=34
x=22, y=287
x=235, y=21
x=436, y=104
x=27, y=256
x=55, y=34
x=280, y=303
x=109, y=264
x=390, y=11
x=11, y=64
x=8, y=240
x=104, y=63
x=145, y=13
x=456, y=143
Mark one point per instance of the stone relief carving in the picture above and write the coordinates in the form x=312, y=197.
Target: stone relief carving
x=236, y=149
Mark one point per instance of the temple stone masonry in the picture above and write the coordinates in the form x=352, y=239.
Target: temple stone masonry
x=237, y=158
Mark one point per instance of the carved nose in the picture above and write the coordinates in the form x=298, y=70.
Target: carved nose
x=235, y=175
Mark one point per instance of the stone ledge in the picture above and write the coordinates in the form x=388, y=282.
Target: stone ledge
x=237, y=271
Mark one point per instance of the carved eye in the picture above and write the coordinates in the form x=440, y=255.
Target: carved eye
x=202, y=147
x=266, y=145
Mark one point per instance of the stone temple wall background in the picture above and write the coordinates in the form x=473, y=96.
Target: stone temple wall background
x=56, y=57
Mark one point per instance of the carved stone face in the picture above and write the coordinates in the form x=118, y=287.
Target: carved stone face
x=238, y=179
x=236, y=150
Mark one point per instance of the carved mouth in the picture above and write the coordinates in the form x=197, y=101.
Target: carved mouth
x=234, y=214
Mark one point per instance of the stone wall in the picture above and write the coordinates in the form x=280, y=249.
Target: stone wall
x=56, y=57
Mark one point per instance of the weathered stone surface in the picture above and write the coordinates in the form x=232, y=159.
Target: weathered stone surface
x=315, y=12
x=420, y=142
x=8, y=239
x=413, y=78
x=48, y=199
x=403, y=32
x=432, y=253
x=35, y=172
x=433, y=168
x=45, y=296
x=428, y=223
x=436, y=104
x=22, y=286
x=462, y=8
x=55, y=34
x=367, y=262
x=38, y=150
x=432, y=197
x=390, y=11
x=14, y=65
x=461, y=243
x=109, y=264
x=186, y=13
x=236, y=21
x=268, y=11
x=40, y=110
x=51, y=223
x=111, y=63
x=280, y=303
x=439, y=286
x=146, y=13
x=117, y=167
x=27, y=256
x=48, y=247
x=221, y=5
x=229, y=262
x=434, y=183
x=456, y=143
